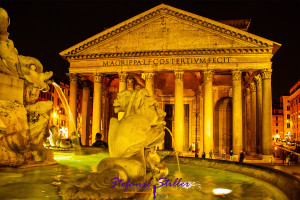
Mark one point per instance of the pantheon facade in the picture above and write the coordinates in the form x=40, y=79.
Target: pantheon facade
x=212, y=78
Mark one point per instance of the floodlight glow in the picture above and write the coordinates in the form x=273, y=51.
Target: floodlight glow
x=221, y=191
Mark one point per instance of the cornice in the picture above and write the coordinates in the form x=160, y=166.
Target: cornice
x=170, y=53
x=165, y=10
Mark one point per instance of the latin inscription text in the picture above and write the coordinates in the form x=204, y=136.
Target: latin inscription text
x=165, y=61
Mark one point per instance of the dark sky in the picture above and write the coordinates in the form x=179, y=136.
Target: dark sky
x=44, y=28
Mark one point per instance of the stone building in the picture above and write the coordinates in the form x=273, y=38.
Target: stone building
x=277, y=122
x=294, y=100
x=59, y=115
x=212, y=78
x=286, y=109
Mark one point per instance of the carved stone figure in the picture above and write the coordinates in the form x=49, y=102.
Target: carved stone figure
x=23, y=121
x=140, y=129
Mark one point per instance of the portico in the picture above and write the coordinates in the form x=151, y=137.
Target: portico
x=191, y=65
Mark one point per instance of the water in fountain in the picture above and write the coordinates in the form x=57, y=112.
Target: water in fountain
x=67, y=108
x=176, y=152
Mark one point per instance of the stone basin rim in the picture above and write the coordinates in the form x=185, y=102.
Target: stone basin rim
x=285, y=182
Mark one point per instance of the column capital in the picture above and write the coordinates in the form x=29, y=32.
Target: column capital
x=130, y=83
x=137, y=87
x=252, y=87
x=148, y=75
x=246, y=92
x=179, y=75
x=123, y=76
x=207, y=75
x=266, y=74
x=258, y=80
x=236, y=75
x=98, y=78
x=72, y=77
x=85, y=82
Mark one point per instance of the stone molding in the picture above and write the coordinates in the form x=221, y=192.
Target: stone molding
x=252, y=87
x=236, y=75
x=179, y=52
x=161, y=11
x=98, y=78
x=266, y=74
x=179, y=76
x=123, y=76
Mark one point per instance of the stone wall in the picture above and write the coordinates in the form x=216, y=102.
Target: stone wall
x=285, y=182
x=11, y=88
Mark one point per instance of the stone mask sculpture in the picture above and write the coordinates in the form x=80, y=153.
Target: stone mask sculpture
x=23, y=121
x=139, y=131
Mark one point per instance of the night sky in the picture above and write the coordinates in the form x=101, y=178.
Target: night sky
x=43, y=28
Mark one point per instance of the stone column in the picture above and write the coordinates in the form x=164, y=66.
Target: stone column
x=253, y=117
x=105, y=118
x=237, y=122
x=123, y=81
x=266, y=112
x=97, y=103
x=149, y=82
x=179, y=111
x=258, y=113
x=201, y=114
x=208, y=111
x=122, y=86
x=248, y=120
x=85, y=113
x=73, y=103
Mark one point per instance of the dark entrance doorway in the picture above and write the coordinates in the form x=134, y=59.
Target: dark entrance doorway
x=169, y=120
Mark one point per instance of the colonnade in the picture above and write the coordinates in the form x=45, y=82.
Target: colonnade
x=260, y=108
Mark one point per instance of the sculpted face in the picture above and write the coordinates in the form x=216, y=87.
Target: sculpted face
x=122, y=101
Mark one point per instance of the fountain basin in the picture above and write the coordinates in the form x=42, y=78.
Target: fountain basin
x=47, y=182
x=287, y=183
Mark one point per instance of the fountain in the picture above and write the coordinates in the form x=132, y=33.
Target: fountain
x=132, y=142
x=132, y=153
x=23, y=120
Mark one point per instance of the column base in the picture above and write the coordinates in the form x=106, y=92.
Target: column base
x=267, y=158
x=235, y=158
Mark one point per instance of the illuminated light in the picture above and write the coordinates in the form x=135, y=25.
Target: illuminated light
x=275, y=148
x=54, y=115
x=287, y=121
x=221, y=191
x=64, y=132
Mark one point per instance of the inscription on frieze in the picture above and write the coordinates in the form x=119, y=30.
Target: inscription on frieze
x=164, y=61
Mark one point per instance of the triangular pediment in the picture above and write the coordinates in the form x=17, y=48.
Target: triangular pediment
x=165, y=28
